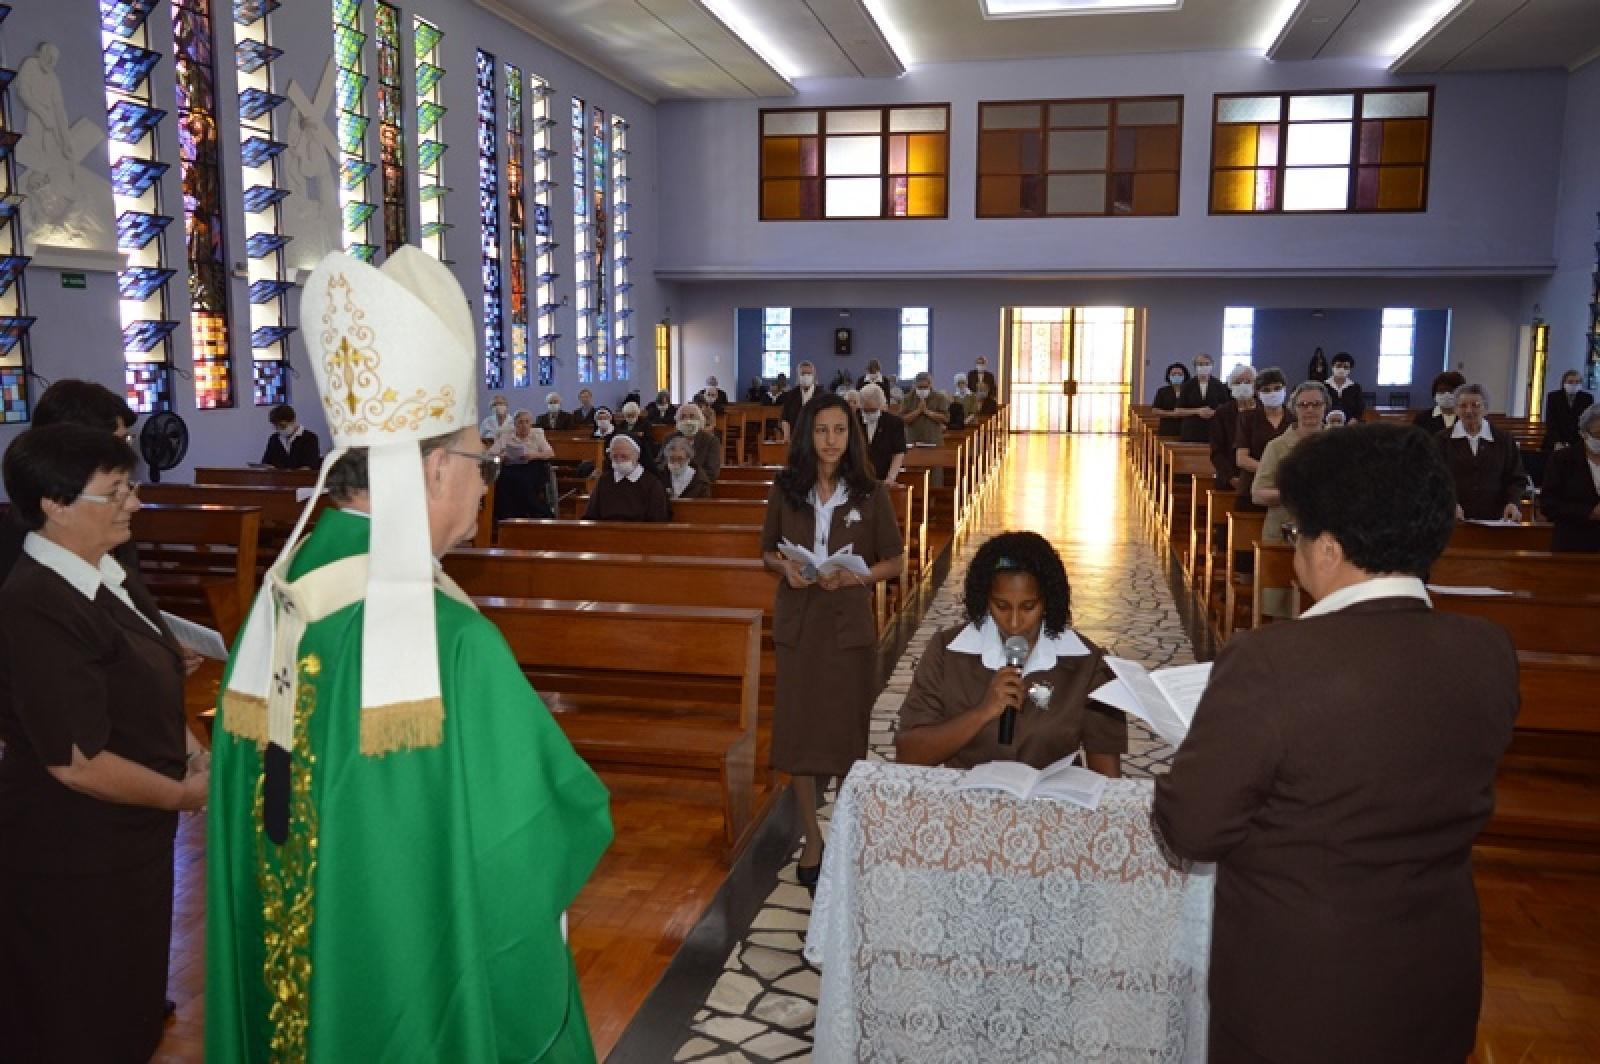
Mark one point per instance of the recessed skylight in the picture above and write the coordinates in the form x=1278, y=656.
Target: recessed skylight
x=1038, y=8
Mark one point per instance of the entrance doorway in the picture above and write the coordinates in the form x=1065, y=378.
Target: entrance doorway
x=1071, y=367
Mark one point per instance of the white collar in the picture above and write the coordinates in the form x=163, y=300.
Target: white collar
x=631, y=477
x=1460, y=432
x=85, y=578
x=1379, y=587
x=681, y=478
x=1447, y=416
x=985, y=640
x=295, y=435
x=1335, y=385
x=840, y=493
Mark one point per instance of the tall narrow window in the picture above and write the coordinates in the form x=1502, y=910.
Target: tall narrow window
x=494, y=350
x=15, y=403
x=1238, y=338
x=776, y=341
x=391, y=130
x=583, y=244
x=355, y=164
x=914, y=330
x=857, y=162
x=601, y=336
x=131, y=122
x=1397, y=345
x=430, y=148
x=544, y=245
x=516, y=209
x=621, y=260
x=263, y=220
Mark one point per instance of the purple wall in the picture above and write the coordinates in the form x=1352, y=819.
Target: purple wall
x=1286, y=338
x=875, y=333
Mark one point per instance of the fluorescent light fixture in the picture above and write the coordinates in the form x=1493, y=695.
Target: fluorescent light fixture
x=1274, y=27
x=1425, y=23
x=879, y=12
x=732, y=14
x=1038, y=8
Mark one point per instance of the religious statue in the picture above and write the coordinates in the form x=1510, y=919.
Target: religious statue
x=67, y=203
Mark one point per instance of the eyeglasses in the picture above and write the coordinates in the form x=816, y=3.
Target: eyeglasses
x=1311, y=405
x=488, y=464
x=1290, y=532
x=116, y=498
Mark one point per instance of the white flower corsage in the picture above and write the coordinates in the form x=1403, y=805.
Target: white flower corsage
x=853, y=517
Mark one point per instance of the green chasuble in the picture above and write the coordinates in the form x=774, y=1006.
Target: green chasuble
x=414, y=911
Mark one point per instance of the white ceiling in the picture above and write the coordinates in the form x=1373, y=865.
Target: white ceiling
x=667, y=49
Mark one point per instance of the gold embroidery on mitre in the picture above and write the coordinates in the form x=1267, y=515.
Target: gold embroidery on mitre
x=288, y=891
x=398, y=726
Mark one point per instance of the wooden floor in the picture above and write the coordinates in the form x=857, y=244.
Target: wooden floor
x=1541, y=921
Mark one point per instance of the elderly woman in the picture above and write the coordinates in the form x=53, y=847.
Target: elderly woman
x=623, y=492
x=1341, y=812
x=1016, y=586
x=604, y=423
x=694, y=425
x=524, y=443
x=1259, y=427
x=1225, y=425
x=679, y=476
x=97, y=764
x=1310, y=405
x=886, y=435
x=1443, y=414
x=661, y=412
x=525, y=487
x=498, y=421
x=1571, y=494
x=1486, y=466
x=635, y=425
x=823, y=501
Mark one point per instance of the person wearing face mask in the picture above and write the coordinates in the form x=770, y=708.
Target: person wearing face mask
x=625, y=493
x=875, y=375
x=1486, y=465
x=525, y=487
x=498, y=421
x=1167, y=397
x=1570, y=496
x=796, y=398
x=886, y=435
x=554, y=419
x=713, y=396
x=1257, y=428
x=1443, y=414
x=853, y=397
x=774, y=392
x=704, y=443
x=1225, y=426
x=633, y=424
x=1015, y=587
x=1562, y=408
x=604, y=423
x=979, y=377
x=678, y=474
x=1346, y=393
x=291, y=445
x=1198, y=402
x=1308, y=406
x=661, y=412
x=987, y=406
x=925, y=412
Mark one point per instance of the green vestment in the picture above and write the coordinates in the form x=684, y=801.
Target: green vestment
x=414, y=912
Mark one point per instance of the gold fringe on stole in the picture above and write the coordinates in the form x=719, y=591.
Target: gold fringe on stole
x=244, y=716
x=402, y=726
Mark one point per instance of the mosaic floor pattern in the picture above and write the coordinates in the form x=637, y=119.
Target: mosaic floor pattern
x=763, y=1005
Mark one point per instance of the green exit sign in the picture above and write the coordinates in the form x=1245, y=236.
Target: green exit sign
x=74, y=280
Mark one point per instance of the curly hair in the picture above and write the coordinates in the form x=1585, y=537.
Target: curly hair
x=1020, y=552
x=1382, y=491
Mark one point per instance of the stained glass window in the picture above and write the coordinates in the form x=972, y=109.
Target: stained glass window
x=621, y=261
x=583, y=244
x=131, y=122
x=354, y=164
x=199, y=164
x=517, y=219
x=1238, y=338
x=14, y=320
x=391, y=129
x=494, y=351
x=544, y=244
x=915, y=328
x=777, y=341
x=601, y=335
x=858, y=162
x=261, y=121
x=430, y=149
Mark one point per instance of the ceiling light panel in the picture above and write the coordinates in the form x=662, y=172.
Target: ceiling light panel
x=1430, y=18
x=742, y=23
x=1044, y=8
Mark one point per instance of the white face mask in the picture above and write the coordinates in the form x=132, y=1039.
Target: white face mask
x=1272, y=400
x=603, y=424
x=1341, y=372
x=922, y=393
x=1202, y=371
x=870, y=416
x=1244, y=390
x=1593, y=443
x=807, y=380
x=500, y=413
x=1445, y=400
x=625, y=466
x=1571, y=387
x=554, y=405
x=688, y=428
x=982, y=367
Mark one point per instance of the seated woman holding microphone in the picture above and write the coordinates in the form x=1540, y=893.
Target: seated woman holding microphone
x=963, y=687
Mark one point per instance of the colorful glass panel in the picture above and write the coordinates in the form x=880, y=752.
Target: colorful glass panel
x=132, y=176
x=355, y=165
x=139, y=283
x=125, y=17
x=128, y=121
x=583, y=243
x=204, y=232
x=489, y=225
x=126, y=65
x=391, y=129
x=518, y=221
x=430, y=170
x=253, y=103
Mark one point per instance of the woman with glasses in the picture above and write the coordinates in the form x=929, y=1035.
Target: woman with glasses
x=98, y=763
x=1307, y=407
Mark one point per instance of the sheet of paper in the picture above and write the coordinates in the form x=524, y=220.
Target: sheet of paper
x=847, y=561
x=207, y=642
x=1141, y=697
x=1183, y=685
x=1077, y=786
x=1013, y=777
x=1445, y=589
x=1497, y=524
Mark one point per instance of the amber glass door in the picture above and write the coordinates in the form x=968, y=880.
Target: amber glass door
x=1071, y=367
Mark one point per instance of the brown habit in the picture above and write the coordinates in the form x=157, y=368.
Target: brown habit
x=826, y=639
x=1341, y=813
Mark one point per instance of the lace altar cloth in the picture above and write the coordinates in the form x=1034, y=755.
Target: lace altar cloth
x=969, y=926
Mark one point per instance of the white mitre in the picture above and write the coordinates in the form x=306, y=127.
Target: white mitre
x=394, y=354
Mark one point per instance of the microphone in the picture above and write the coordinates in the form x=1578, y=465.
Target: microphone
x=1016, y=653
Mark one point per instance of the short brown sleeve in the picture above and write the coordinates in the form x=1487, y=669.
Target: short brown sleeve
x=925, y=702
x=772, y=527
x=888, y=539
x=56, y=661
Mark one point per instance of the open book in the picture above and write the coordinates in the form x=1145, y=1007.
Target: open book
x=1060, y=782
x=844, y=559
x=1164, y=699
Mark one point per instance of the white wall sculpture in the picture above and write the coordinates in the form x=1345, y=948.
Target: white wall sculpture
x=308, y=171
x=68, y=204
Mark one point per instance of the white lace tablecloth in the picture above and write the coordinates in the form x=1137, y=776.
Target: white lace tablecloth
x=968, y=926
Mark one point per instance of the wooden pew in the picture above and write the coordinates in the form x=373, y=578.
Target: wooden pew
x=200, y=562
x=263, y=478
x=614, y=537
x=680, y=700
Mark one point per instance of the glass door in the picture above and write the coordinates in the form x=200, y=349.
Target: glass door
x=1071, y=367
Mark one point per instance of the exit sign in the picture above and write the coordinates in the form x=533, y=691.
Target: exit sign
x=74, y=280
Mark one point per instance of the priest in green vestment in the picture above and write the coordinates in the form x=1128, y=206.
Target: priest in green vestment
x=397, y=824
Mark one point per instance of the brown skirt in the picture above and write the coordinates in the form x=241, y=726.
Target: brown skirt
x=823, y=709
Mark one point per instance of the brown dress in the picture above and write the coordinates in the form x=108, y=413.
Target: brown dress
x=85, y=884
x=826, y=640
x=1254, y=432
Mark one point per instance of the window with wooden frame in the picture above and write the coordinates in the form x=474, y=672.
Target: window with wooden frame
x=855, y=163
x=1335, y=150
x=1079, y=158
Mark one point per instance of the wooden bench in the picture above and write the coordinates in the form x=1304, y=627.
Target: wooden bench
x=679, y=699
x=200, y=562
x=616, y=537
x=264, y=478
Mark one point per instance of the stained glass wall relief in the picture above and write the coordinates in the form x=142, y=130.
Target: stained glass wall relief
x=517, y=221
x=598, y=219
x=132, y=121
x=583, y=244
x=621, y=260
x=544, y=244
x=261, y=115
x=857, y=162
x=1337, y=150
x=494, y=351
x=430, y=148
x=391, y=129
x=15, y=404
x=355, y=162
